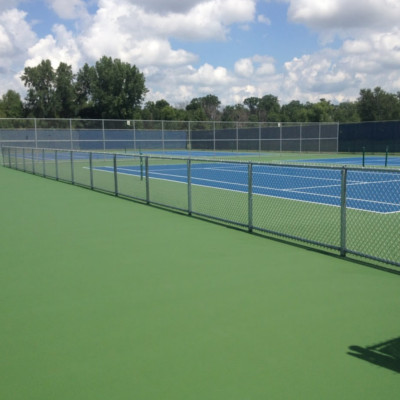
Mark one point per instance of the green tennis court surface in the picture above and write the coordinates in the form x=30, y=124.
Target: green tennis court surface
x=103, y=298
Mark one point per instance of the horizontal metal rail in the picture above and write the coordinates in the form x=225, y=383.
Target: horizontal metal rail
x=237, y=199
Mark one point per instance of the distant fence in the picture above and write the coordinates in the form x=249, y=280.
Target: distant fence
x=346, y=210
x=374, y=137
x=133, y=135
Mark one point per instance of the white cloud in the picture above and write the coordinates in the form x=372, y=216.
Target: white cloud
x=244, y=67
x=142, y=32
x=344, y=15
x=62, y=47
x=69, y=9
x=8, y=4
x=16, y=37
x=209, y=76
x=16, y=34
x=262, y=19
x=163, y=6
x=205, y=21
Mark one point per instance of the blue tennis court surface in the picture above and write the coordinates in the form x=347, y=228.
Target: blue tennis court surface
x=392, y=161
x=195, y=153
x=371, y=191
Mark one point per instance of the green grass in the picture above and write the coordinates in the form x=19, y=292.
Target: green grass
x=102, y=298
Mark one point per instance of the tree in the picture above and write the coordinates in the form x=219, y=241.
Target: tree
x=195, y=110
x=269, y=108
x=346, y=112
x=160, y=110
x=40, y=96
x=11, y=105
x=252, y=103
x=84, y=102
x=322, y=111
x=211, y=106
x=111, y=89
x=294, y=112
x=65, y=95
x=237, y=113
x=207, y=106
x=378, y=105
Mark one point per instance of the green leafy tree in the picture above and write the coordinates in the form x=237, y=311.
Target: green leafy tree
x=40, y=81
x=11, y=105
x=64, y=94
x=237, y=113
x=294, y=111
x=111, y=89
x=195, y=110
x=211, y=104
x=84, y=102
x=323, y=111
x=206, y=107
x=269, y=108
x=346, y=112
x=252, y=103
x=378, y=105
x=159, y=110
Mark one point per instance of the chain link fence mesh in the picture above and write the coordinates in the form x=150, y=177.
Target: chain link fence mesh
x=349, y=210
x=138, y=135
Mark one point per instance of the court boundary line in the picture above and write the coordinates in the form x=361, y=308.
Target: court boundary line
x=101, y=169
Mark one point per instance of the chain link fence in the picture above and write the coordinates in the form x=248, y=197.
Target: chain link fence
x=346, y=210
x=135, y=135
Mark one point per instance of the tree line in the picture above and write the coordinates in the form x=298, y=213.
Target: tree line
x=112, y=89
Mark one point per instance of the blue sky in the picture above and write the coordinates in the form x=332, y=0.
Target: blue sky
x=294, y=49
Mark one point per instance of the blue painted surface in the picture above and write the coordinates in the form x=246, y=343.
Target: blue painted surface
x=366, y=190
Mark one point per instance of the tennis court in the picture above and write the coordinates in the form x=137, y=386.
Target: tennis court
x=379, y=193
x=378, y=161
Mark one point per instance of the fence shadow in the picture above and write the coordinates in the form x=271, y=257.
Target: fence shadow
x=385, y=354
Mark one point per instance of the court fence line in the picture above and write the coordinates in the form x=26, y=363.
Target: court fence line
x=348, y=210
x=137, y=135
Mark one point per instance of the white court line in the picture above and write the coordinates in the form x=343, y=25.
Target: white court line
x=255, y=173
x=290, y=190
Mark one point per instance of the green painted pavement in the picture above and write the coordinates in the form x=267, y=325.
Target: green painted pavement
x=103, y=298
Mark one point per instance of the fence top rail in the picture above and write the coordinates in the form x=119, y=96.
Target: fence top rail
x=216, y=160
x=277, y=123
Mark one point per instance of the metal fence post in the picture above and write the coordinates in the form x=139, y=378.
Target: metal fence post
x=23, y=159
x=162, y=137
x=250, y=197
x=319, y=138
x=91, y=169
x=104, y=135
x=72, y=166
x=56, y=162
x=146, y=165
x=44, y=162
x=115, y=175
x=337, y=137
x=237, y=136
x=214, y=145
x=301, y=138
x=36, y=135
x=189, y=183
x=70, y=134
x=134, y=135
x=343, y=212
x=33, y=162
x=189, y=145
